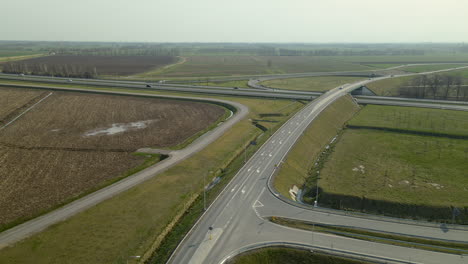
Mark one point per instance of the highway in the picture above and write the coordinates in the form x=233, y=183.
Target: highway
x=237, y=215
x=236, y=219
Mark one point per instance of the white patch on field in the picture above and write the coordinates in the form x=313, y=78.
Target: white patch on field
x=436, y=185
x=120, y=128
x=55, y=130
x=389, y=185
x=359, y=168
x=404, y=182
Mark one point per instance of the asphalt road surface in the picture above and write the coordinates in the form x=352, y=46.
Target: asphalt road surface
x=236, y=219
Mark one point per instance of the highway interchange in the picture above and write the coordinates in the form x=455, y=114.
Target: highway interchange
x=237, y=217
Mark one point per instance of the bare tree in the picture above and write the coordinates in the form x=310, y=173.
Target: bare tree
x=434, y=84
x=458, y=82
x=448, y=80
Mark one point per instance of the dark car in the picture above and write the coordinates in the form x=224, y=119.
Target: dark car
x=148, y=86
x=236, y=87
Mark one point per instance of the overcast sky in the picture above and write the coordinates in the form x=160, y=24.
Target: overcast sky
x=235, y=20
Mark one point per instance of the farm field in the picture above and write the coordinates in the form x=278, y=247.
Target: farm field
x=400, y=173
x=104, y=65
x=13, y=101
x=316, y=84
x=72, y=143
x=252, y=65
x=281, y=255
x=133, y=221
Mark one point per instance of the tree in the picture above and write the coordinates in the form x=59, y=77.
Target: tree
x=458, y=82
x=448, y=80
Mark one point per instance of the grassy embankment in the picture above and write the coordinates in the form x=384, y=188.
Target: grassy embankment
x=138, y=219
x=316, y=84
x=281, y=255
x=406, y=162
x=381, y=237
x=298, y=163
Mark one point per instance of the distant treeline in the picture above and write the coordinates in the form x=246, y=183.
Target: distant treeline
x=115, y=51
x=273, y=51
x=57, y=70
x=435, y=87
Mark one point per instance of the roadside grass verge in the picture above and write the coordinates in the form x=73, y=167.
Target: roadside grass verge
x=374, y=236
x=134, y=221
x=284, y=255
x=315, y=84
x=298, y=163
x=240, y=84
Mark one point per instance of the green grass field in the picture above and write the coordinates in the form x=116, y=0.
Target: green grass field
x=400, y=173
x=414, y=119
x=295, y=169
x=278, y=255
x=132, y=222
x=400, y=168
x=252, y=65
x=316, y=84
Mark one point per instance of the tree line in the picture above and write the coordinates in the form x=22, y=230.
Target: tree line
x=117, y=51
x=57, y=70
x=446, y=87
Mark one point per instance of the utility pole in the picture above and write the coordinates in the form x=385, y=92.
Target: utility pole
x=204, y=191
x=317, y=191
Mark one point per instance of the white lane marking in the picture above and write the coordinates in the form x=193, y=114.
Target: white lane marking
x=233, y=189
x=257, y=204
x=270, y=154
x=243, y=190
x=273, y=141
x=263, y=153
x=281, y=142
x=249, y=169
x=258, y=170
x=289, y=132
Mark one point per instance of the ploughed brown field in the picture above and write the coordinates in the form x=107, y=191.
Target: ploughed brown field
x=105, y=65
x=71, y=143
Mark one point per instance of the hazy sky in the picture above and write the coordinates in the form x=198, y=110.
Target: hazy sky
x=236, y=20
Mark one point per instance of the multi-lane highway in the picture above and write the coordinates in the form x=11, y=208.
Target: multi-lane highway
x=236, y=219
